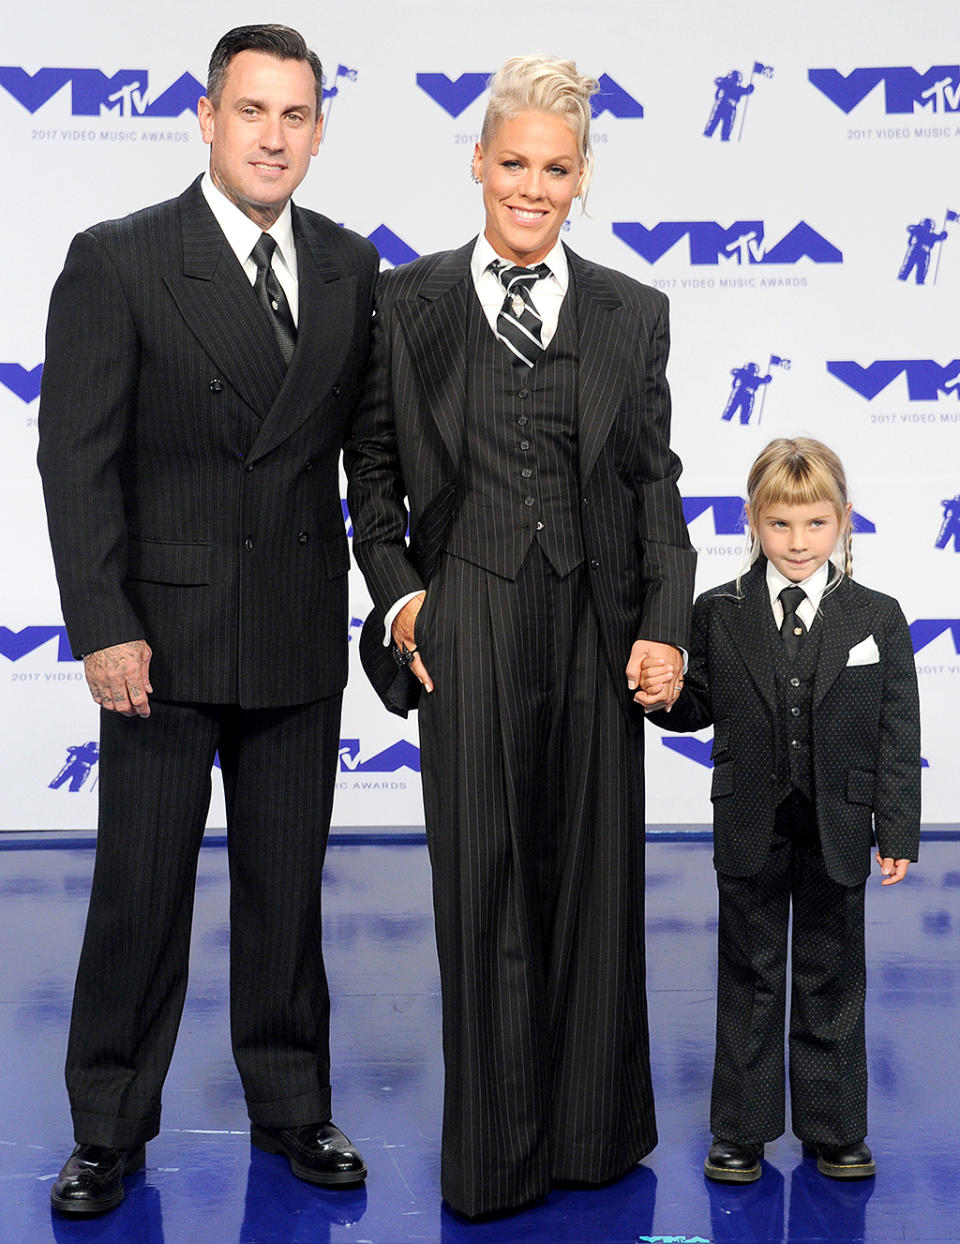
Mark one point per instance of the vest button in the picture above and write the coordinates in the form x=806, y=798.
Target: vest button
x=216, y=386
x=529, y=501
x=248, y=467
x=526, y=473
x=794, y=742
x=248, y=544
x=524, y=444
x=795, y=712
x=302, y=537
x=523, y=420
x=523, y=393
x=794, y=682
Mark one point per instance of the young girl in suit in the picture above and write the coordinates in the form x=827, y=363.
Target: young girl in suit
x=809, y=681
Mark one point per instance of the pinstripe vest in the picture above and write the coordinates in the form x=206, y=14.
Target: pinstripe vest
x=518, y=473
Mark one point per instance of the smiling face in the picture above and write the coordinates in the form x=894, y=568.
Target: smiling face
x=530, y=169
x=262, y=132
x=797, y=539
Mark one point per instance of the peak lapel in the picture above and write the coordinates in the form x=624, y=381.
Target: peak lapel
x=434, y=324
x=606, y=336
x=839, y=618
x=218, y=304
x=748, y=623
x=325, y=327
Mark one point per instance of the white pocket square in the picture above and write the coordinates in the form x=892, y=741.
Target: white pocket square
x=865, y=652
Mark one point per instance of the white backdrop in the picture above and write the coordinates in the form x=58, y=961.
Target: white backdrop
x=783, y=243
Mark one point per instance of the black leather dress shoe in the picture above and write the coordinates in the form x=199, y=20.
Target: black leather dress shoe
x=854, y=1161
x=318, y=1153
x=730, y=1162
x=91, y=1182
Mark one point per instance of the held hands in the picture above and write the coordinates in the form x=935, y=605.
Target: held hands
x=119, y=678
x=892, y=870
x=404, y=625
x=657, y=670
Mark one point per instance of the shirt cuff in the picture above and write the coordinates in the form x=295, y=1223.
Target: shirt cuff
x=390, y=616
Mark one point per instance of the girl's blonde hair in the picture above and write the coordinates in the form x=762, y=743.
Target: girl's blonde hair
x=543, y=84
x=800, y=471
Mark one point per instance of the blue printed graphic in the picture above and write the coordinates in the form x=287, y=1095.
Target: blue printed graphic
x=921, y=239
x=729, y=517
x=927, y=381
x=925, y=630
x=26, y=384
x=697, y=750
x=93, y=93
x=392, y=248
x=747, y=382
x=14, y=645
x=904, y=88
x=744, y=242
x=950, y=527
x=400, y=755
x=455, y=95
x=330, y=93
x=728, y=92
x=77, y=767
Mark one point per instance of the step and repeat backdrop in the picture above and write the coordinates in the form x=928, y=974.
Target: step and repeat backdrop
x=788, y=174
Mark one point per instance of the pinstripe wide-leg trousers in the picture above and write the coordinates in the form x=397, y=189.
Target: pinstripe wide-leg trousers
x=533, y=793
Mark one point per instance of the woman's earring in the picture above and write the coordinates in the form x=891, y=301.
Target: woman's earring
x=473, y=175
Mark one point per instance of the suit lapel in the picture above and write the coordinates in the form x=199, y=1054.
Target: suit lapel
x=434, y=325
x=748, y=622
x=325, y=327
x=607, y=341
x=842, y=624
x=218, y=303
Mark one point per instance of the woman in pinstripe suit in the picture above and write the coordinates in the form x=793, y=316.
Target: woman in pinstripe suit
x=517, y=399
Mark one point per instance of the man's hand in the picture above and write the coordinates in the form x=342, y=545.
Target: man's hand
x=404, y=625
x=662, y=674
x=119, y=678
x=892, y=870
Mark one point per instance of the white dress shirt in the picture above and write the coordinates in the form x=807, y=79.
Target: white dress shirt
x=813, y=585
x=243, y=234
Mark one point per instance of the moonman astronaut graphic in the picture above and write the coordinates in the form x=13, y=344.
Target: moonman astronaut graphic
x=730, y=90
x=922, y=237
x=950, y=527
x=76, y=768
x=743, y=392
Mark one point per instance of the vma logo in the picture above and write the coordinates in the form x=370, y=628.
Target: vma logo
x=400, y=755
x=393, y=250
x=904, y=88
x=15, y=645
x=455, y=95
x=729, y=518
x=743, y=243
x=26, y=384
x=925, y=630
x=927, y=381
x=93, y=93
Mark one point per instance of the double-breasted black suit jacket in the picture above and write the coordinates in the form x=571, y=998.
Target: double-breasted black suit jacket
x=407, y=444
x=865, y=723
x=191, y=481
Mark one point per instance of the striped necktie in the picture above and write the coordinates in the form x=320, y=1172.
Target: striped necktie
x=272, y=298
x=518, y=323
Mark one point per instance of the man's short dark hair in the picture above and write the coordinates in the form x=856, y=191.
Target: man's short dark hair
x=283, y=42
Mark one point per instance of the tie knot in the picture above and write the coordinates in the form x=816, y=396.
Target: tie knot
x=513, y=275
x=790, y=598
x=262, y=253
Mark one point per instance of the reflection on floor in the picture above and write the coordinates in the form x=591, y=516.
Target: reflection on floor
x=203, y=1181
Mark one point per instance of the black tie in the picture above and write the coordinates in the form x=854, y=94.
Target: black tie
x=792, y=629
x=272, y=298
x=518, y=323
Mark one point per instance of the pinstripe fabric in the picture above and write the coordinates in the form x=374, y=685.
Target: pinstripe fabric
x=193, y=499
x=535, y=826
x=533, y=780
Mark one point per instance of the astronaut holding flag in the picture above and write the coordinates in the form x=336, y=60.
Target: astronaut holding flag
x=729, y=91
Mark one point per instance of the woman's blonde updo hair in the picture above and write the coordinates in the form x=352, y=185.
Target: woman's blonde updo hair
x=800, y=471
x=543, y=84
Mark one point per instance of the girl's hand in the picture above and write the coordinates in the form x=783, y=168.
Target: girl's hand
x=892, y=870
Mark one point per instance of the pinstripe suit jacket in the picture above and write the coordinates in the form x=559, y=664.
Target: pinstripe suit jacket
x=865, y=726
x=191, y=482
x=407, y=441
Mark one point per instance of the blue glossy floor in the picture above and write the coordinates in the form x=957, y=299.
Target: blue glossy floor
x=203, y=1181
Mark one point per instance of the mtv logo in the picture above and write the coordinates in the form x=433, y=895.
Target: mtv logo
x=697, y=750
x=392, y=248
x=400, y=755
x=15, y=645
x=926, y=380
x=904, y=87
x=126, y=92
x=743, y=242
x=925, y=630
x=26, y=384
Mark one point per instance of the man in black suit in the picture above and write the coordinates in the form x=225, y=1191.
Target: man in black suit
x=547, y=531
x=202, y=362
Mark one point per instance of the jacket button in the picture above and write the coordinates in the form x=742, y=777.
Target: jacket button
x=216, y=386
x=248, y=467
x=336, y=390
x=794, y=682
x=248, y=544
x=794, y=742
x=595, y=563
x=308, y=467
x=794, y=712
x=302, y=537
